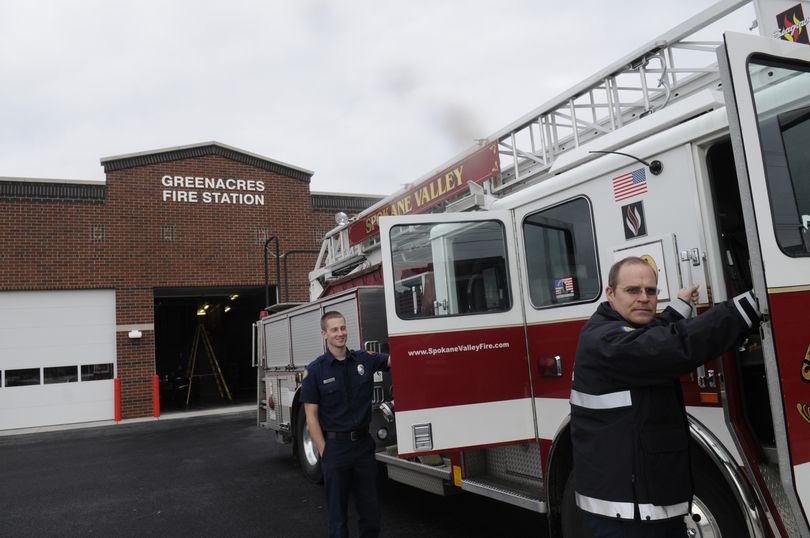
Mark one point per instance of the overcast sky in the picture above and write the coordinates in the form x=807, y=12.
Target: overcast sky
x=367, y=94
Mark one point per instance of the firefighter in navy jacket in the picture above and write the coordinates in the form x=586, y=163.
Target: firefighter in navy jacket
x=628, y=423
x=337, y=393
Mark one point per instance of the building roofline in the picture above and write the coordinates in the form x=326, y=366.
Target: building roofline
x=132, y=160
x=351, y=194
x=47, y=180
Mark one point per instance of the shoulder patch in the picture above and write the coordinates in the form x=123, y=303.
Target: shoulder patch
x=306, y=373
x=628, y=328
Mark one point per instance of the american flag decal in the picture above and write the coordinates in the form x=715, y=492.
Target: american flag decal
x=564, y=287
x=629, y=184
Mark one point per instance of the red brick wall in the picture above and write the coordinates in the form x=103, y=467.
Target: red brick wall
x=47, y=244
x=136, y=365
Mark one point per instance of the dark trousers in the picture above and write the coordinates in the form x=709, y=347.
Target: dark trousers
x=349, y=468
x=603, y=527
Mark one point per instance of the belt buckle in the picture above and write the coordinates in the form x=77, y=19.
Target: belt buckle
x=354, y=435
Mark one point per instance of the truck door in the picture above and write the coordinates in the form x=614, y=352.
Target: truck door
x=456, y=331
x=561, y=284
x=767, y=88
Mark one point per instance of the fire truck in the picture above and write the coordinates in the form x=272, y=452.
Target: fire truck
x=477, y=278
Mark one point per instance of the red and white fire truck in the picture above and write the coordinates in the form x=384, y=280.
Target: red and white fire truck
x=478, y=278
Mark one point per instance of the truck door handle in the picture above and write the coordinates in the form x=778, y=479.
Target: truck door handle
x=550, y=365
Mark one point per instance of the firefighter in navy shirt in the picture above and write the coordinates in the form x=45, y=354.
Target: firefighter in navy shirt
x=629, y=427
x=336, y=392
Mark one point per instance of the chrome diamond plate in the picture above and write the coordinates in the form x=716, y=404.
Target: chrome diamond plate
x=519, y=463
x=770, y=475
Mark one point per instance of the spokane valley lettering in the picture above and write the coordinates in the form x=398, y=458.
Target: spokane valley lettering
x=208, y=190
x=419, y=198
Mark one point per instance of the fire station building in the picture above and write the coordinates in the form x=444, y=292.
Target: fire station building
x=149, y=281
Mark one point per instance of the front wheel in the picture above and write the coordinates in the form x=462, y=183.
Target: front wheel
x=715, y=513
x=308, y=456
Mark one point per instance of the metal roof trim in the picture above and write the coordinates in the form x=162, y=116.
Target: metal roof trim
x=133, y=160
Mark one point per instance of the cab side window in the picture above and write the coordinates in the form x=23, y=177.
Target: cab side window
x=783, y=112
x=450, y=269
x=561, y=255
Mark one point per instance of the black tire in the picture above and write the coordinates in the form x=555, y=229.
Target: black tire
x=573, y=524
x=713, y=503
x=717, y=508
x=308, y=456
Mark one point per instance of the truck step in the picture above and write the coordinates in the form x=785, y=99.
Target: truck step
x=436, y=479
x=522, y=495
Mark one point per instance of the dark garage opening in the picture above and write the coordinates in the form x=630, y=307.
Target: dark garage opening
x=203, y=339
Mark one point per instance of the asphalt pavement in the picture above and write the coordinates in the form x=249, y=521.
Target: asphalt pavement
x=204, y=476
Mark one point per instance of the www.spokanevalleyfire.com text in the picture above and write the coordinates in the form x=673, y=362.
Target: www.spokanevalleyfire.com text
x=457, y=349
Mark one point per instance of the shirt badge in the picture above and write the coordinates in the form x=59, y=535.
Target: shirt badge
x=628, y=328
x=330, y=380
x=361, y=369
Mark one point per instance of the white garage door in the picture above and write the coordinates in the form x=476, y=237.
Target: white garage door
x=57, y=357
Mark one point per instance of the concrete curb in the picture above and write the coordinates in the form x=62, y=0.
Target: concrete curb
x=177, y=415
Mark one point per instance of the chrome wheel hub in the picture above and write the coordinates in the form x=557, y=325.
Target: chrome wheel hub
x=309, y=448
x=701, y=523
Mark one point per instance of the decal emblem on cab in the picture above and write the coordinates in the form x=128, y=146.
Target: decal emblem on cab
x=635, y=225
x=804, y=411
x=792, y=25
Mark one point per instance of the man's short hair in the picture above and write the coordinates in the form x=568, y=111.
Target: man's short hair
x=613, y=275
x=330, y=315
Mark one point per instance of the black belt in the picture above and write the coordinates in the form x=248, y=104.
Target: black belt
x=355, y=435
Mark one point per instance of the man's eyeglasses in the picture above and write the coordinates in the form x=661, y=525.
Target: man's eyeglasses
x=635, y=290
